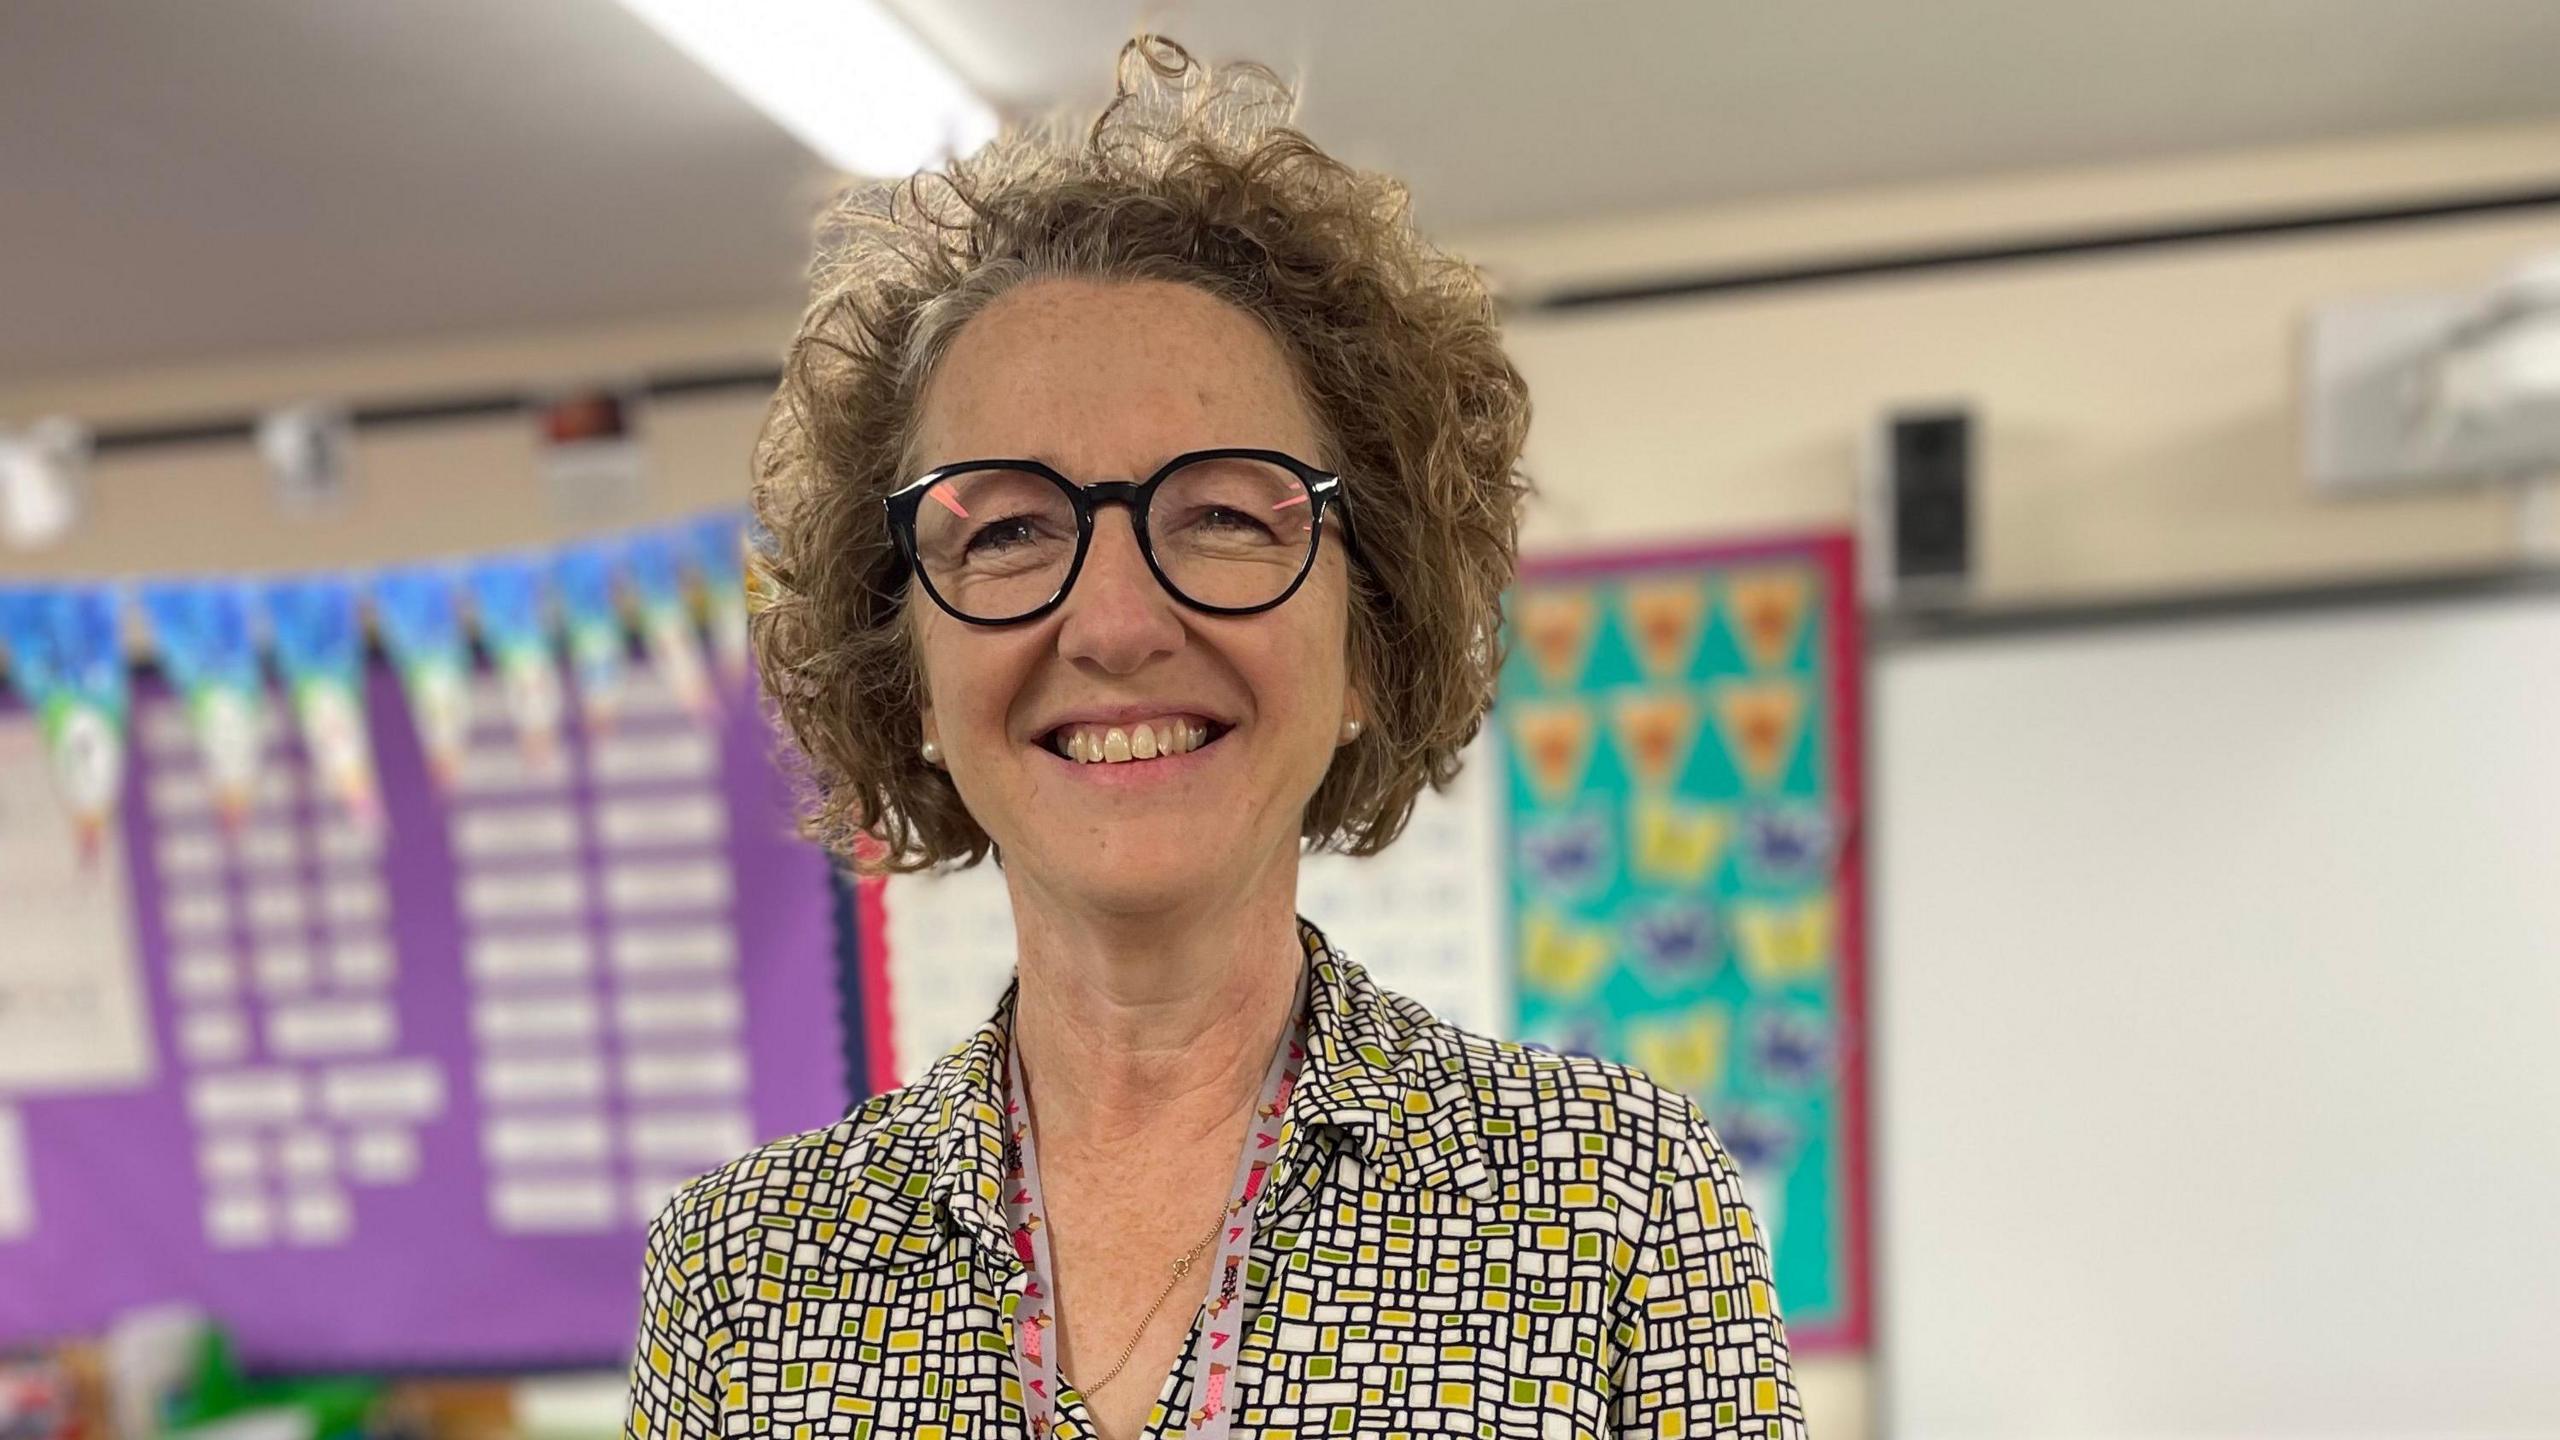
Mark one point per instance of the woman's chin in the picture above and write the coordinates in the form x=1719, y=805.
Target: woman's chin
x=1132, y=874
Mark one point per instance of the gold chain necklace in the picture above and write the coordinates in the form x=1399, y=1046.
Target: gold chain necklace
x=1181, y=1268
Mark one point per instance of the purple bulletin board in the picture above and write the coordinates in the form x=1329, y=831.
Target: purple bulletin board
x=414, y=1092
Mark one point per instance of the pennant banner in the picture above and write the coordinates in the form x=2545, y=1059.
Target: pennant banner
x=201, y=632
x=585, y=581
x=320, y=649
x=512, y=598
x=65, y=649
x=674, y=648
x=719, y=554
x=419, y=613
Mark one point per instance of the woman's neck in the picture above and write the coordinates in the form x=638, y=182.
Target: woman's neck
x=1150, y=1030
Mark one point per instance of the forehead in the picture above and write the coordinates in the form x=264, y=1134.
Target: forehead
x=1110, y=377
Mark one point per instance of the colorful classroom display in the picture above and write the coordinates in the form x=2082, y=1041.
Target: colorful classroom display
x=381, y=993
x=383, y=1046
x=1682, y=739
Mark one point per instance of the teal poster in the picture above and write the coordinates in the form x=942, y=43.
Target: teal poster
x=1682, y=739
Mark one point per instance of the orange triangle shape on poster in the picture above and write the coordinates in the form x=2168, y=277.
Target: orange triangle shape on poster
x=1663, y=620
x=1768, y=609
x=1554, y=742
x=1761, y=720
x=1556, y=628
x=1655, y=728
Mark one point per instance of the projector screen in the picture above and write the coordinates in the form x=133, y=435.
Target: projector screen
x=2218, y=1027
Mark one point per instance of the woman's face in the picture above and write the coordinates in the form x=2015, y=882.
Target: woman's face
x=1107, y=381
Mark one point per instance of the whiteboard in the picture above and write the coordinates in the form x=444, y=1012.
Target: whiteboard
x=2218, y=1027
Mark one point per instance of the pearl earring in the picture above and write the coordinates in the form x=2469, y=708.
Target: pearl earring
x=1350, y=728
x=932, y=753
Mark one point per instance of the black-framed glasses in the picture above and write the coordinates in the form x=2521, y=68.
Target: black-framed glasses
x=1228, y=531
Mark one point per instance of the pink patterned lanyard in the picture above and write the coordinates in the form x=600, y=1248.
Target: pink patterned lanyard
x=1035, y=1348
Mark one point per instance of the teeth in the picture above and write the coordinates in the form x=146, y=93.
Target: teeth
x=1146, y=740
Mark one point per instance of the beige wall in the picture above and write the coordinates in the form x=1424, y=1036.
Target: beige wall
x=2139, y=418
x=421, y=490
x=2139, y=410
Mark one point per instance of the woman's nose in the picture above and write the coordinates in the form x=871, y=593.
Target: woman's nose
x=1117, y=616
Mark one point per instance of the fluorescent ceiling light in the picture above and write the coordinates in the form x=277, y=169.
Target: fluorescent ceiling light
x=845, y=76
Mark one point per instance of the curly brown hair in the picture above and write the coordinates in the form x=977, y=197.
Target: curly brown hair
x=1190, y=174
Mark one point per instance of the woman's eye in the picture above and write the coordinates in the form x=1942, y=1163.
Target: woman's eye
x=999, y=535
x=1220, y=517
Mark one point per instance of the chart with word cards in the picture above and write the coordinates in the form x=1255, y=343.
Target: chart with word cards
x=403, y=1092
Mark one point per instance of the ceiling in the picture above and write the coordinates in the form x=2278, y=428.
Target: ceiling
x=182, y=180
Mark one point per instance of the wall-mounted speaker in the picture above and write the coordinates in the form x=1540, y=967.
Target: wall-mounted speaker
x=1919, y=513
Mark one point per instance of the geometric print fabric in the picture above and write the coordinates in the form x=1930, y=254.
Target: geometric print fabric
x=1460, y=1236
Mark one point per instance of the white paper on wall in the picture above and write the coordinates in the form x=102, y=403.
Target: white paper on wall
x=950, y=956
x=17, y=1187
x=1425, y=918
x=72, y=1014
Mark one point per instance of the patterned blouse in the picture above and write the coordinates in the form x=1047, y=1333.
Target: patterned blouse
x=1460, y=1236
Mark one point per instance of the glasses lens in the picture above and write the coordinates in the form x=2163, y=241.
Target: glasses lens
x=1232, y=533
x=995, y=544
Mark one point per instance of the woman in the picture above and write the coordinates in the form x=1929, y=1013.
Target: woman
x=1140, y=510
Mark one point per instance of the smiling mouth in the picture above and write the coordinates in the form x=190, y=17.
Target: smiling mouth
x=1134, y=743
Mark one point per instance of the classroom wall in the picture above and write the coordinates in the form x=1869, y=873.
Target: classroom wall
x=2139, y=423
x=2138, y=408
x=420, y=490
x=2139, y=418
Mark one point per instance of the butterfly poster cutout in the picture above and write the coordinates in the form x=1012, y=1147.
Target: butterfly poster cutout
x=1563, y=959
x=1569, y=856
x=1783, y=943
x=1678, y=844
x=1685, y=1052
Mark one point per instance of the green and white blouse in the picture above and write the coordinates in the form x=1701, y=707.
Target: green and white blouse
x=1462, y=1236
